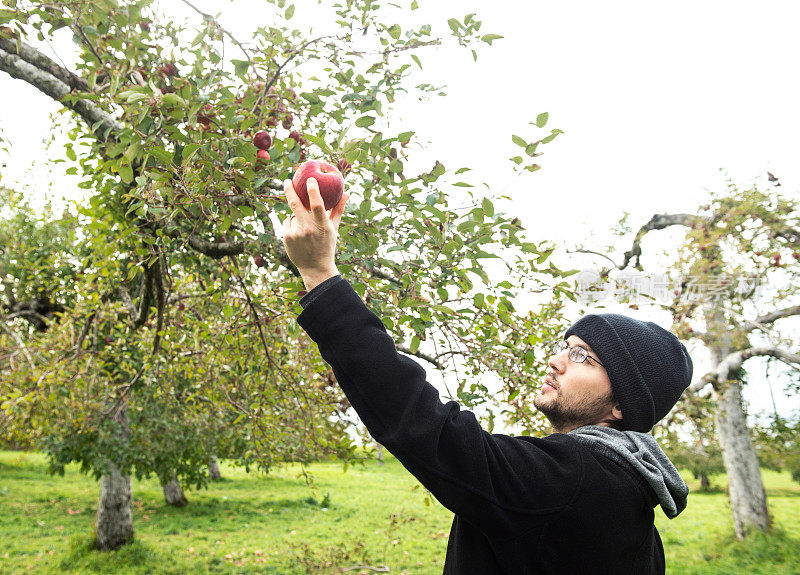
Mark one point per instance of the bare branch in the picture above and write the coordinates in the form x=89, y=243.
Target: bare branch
x=38, y=320
x=210, y=18
x=430, y=359
x=657, y=222
x=88, y=43
x=37, y=59
x=16, y=338
x=54, y=86
x=582, y=251
x=771, y=317
x=729, y=366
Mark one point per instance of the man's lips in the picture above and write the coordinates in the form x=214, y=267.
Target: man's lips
x=549, y=383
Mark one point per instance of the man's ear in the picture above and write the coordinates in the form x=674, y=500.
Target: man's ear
x=616, y=412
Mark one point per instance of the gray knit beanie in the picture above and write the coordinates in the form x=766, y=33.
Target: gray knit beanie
x=648, y=366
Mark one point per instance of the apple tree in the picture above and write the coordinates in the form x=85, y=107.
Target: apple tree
x=187, y=299
x=733, y=289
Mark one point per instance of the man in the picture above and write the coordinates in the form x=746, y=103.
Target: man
x=579, y=501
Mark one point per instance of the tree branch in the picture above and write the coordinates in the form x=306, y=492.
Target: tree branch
x=771, y=317
x=41, y=76
x=37, y=59
x=210, y=18
x=657, y=222
x=729, y=366
x=429, y=358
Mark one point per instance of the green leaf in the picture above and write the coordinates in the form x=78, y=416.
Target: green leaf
x=414, y=57
x=188, y=152
x=541, y=119
x=240, y=67
x=489, y=38
x=319, y=142
x=519, y=141
x=135, y=97
x=443, y=309
x=394, y=31
x=488, y=207
x=289, y=12
x=227, y=311
x=552, y=136
x=454, y=25
x=126, y=173
x=365, y=121
x=160, y=154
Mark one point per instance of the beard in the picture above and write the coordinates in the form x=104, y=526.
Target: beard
x=582, y=411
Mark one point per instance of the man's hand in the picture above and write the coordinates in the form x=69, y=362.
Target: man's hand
x=310, y=237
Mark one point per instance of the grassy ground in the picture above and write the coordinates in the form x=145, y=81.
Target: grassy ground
x=373, y=515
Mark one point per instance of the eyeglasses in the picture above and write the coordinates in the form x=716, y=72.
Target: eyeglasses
x=577, y=354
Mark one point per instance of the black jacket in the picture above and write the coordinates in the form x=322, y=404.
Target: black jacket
x=522, y=505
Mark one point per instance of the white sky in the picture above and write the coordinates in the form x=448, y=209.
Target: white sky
x=654, y=99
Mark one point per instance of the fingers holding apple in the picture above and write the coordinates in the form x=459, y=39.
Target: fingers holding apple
x=327, y=176
x=310, y=237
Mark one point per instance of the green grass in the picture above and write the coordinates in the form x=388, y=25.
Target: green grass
x=273, y=524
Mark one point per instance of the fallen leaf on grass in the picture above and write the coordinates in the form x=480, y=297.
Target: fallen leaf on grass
x=73, y=511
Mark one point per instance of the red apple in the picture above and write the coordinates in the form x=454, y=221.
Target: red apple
x=168, y=69
x=343, y=166
x=262, y=140
x=287, y=121
x=262, y=156
x=330, y=180
x=295, y=135
x=259, y=261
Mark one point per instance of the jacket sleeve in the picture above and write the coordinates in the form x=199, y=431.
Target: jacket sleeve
x=491, y=480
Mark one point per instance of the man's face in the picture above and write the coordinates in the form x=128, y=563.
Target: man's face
x=576, y=394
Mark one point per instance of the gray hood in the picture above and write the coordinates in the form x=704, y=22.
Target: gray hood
x=642, y=452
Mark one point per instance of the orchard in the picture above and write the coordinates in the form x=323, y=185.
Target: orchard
x=177, y=289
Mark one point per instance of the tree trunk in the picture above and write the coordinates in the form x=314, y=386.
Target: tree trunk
x=213, y=470
x=746, y=489
x=705, y=484
x=380, y=453
x=173, y=492
x=115, y=509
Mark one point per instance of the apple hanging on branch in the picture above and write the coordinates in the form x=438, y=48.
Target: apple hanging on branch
x=329, y=178
x=262, y=140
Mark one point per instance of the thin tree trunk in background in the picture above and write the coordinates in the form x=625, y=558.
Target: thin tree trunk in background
x=705, y=484
x=745, y=487
x=115, y=508
x=173, y=492
x=213, y=470
x=380, y=453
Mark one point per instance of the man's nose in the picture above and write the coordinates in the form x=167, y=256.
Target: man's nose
x=559, y=361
